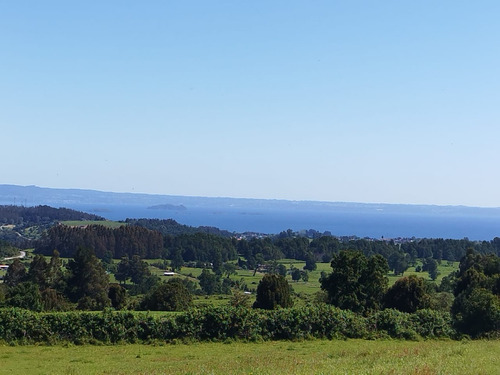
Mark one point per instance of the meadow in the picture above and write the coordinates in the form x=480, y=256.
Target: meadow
x=83, y=223
x=304, y=290
x=277, y=357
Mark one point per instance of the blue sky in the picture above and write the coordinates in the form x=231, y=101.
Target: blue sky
x=358, y=101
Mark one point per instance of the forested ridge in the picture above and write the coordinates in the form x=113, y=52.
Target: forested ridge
x=20, y=215
x=172, y=227
x=125, y=240
x=21, y=225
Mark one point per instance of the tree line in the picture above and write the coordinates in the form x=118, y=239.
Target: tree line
x=172, y=227
x=21, y=215
x=130, y=240
x=125, y=240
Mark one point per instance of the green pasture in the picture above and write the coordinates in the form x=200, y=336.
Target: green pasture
x=278, y=357
x=306, y=290
x=83, y=223
x=444, y=270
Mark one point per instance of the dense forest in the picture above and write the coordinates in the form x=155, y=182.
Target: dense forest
x=125, y=240
x=172, y=227
x=21, y=225
x=38, y=215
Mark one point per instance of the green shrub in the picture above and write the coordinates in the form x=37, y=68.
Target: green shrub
x=395, y=324
x=433, y=324
x=225, y=324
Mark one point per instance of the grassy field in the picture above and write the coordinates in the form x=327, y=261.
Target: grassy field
x=312, y=286
x=308, y=357
x=82, y=223
x=305, y=290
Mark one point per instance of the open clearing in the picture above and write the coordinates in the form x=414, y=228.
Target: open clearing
x=84, y=223
x=282, y=357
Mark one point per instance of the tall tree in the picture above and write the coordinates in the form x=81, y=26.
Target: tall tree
x=398, y=262
x=356, y=283
x=55, y=273
x=16, y=273
x=476, y=307
x=177, y=260
x=296, y=274
x=273, y=291
x=209, y=282
x=170, y=296
x=229, y=269
x=123, y=270
x=217, y=261
x=88, y=282
x=118, y=296
x=408, y=294
x=310, y=262
x=37, y=272
x=138, y=270
x=431, y=266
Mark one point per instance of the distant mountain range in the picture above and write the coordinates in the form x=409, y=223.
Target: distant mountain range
x=34, y=195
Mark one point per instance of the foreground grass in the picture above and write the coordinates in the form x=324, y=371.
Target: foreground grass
x=283, y=357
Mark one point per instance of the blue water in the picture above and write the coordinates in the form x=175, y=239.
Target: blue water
x=343, y=222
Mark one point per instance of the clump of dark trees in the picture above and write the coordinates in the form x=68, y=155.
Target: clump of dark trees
x=124, y=240
x=7, y=249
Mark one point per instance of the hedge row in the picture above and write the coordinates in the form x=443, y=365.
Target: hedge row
x=19, y=326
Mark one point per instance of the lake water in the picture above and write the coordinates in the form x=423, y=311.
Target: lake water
x=340, y=222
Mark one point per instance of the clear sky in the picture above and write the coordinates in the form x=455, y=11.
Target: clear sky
x=358, y=101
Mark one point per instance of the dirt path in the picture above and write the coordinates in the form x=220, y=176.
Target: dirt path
x=21, y=255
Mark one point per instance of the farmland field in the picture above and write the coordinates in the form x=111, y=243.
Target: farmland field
x=279, y=357
x=82, y=223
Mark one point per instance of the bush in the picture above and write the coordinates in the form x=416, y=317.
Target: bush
x=170, y=296
x=19, y=326
x=408, y=294
x=477, y=312
x=395, y=324
x=433, y=324
x=273, y=291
